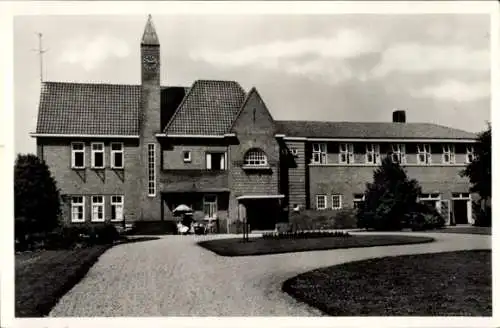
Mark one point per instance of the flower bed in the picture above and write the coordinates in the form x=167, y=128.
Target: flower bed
x=305, y=234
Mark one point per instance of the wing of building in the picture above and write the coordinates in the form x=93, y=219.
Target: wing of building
x=135, y=152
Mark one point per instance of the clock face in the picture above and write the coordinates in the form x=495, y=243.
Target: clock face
x=150, y=62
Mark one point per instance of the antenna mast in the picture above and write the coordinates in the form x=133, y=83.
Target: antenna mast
x=40, y=52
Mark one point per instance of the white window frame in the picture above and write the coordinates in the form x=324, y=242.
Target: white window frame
x=255, y=158
x=319, y=153
x=96, y=208
x=317, y=202
x=358, y=199
x=113, y=152
x=400, y=151
x=448, y=149
x=73, y=153
x=94, y=151
x=117, y=204
x=188, y=159
x=223, y=159
x=373, y=150
x=425, y=151
x=339, y=197
x=212, y=205
x=431, y=197
x=346, y=153
x=470, y=155
x=74, y=209
x=151, y=151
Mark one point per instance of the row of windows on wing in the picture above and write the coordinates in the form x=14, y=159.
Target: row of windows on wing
x=358, y=199
x=397, y=153
x=97, y=155
x=97, y=208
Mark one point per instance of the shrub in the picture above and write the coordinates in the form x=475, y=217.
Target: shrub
x=389, y=199
x=424, y=217
x=305, y=235
x=482, y=215
x=323, y=220
x=104, y=234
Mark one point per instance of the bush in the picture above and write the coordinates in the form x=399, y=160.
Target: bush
x=323, y=220
x=390, y=199
x=69, y=237
x=424, y=217
x=482, y=216
x=305, y=235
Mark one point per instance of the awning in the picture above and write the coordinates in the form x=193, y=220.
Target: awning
x=260, y=197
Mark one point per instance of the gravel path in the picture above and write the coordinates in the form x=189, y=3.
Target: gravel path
x=173, y=276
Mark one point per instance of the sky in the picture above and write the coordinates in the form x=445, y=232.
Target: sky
x=348, y=67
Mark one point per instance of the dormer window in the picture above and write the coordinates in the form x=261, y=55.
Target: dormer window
x=255, y=157
x=318, y=153
x=424, y=154
x=78, y=155
x=448, y=154
x=398, y=153
x=469, y=154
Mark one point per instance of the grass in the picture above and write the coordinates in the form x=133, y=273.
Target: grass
x=468, y=230
x=43, y=277
x=261, y=246
x=443, y=284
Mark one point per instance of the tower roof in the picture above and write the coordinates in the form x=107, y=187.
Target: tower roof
x=150, y=37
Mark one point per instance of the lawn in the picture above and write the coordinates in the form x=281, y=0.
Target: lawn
x=43, y=277
x=261, y=246
x=443, y=284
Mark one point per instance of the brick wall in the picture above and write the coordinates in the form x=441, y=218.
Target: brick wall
x=173, y=156
x=87, y=182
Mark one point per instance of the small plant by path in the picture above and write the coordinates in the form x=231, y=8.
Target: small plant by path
x=441, y=284
x=263, y=246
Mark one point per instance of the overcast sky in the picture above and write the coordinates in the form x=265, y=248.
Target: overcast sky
x=332, y=67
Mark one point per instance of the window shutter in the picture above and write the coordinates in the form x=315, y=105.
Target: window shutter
x=222, y=163
x=209, y=161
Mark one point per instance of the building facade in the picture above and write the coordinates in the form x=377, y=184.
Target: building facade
x=135, y=152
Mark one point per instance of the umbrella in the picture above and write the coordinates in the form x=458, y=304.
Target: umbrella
x=182, y=209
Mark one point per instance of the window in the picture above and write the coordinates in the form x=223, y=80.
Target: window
x=336, y=202
x=398, y=154
x=346, y=153
x=460, y=195
x=255, y=157
x=319, y=153
x=116, y=208
x=424, y=154
x=97, y=208
x=97, y=155
x=469, y=154
x=151, y=170
x=77, y=209
x=321, y=202
x=430, y=199
x=216, y=161
x=358, y=200
x=116, y=155
x=78, y=155
x=372, y=154
x=448, y=154
x=210, y=206
x=186, y=156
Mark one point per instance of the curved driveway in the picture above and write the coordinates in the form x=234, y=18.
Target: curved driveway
x=173, y=276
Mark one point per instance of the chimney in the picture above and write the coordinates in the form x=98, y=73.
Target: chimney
x=399, y=116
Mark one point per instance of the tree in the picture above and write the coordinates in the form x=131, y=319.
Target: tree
x=390, y=199
x=36, y=197
x=479, y=173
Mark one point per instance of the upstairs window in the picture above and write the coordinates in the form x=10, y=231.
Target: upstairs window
x=97, y=208
x=255, y=157
x=319, y=153
x=320, y=202
x=116, y=208
x=117, y=155
x=77, y=209
x=336, y=202
x=97, y=155
x=469, y=154
x=216, y=161
x=372, y=154
x=346, y=153
x=78, y=155
x=398, y=153
x=424, y=154
x=448, y=154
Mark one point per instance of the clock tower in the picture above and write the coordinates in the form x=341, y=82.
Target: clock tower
x=149, y=124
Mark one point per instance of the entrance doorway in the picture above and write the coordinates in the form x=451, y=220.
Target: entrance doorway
x=262, y=213
x=460, y=211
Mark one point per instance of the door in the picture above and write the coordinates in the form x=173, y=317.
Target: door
x=262, y=214
x=460, y=211
x=210, y=206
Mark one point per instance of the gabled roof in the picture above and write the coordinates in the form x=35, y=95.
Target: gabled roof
x=85, y=108
x=381, y=130
x=208, y=109
x=98, y=109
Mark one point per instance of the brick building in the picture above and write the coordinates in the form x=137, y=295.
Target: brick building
x=135, y=152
